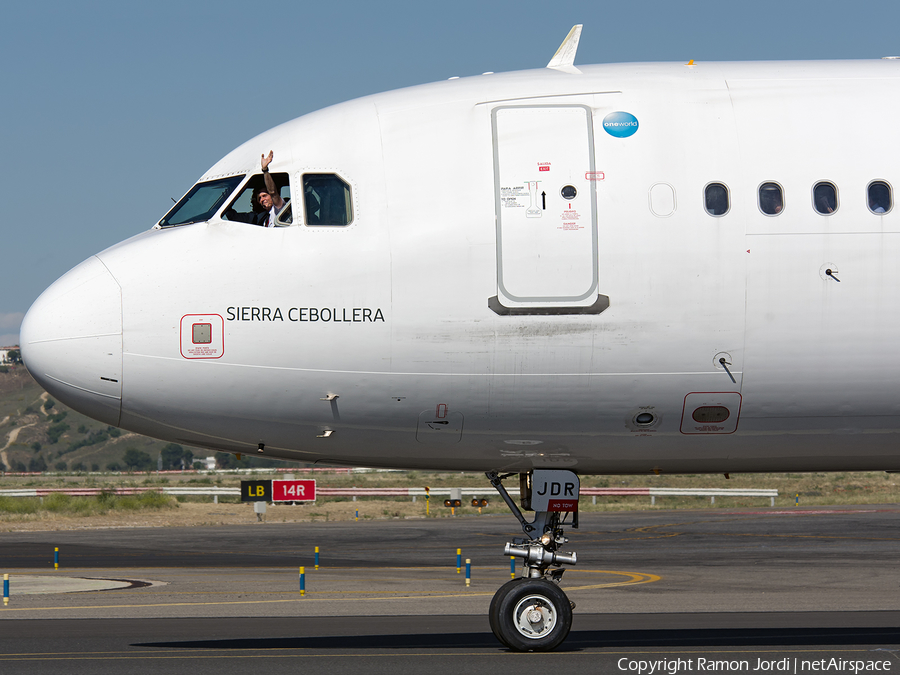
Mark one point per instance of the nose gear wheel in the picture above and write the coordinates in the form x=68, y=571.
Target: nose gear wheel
x=531, y=615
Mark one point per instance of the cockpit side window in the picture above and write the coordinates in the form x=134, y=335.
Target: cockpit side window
x=246, y=209
x=327, y=199
x=202, y=202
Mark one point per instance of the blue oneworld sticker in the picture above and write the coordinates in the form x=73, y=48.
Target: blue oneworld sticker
x=620, y=124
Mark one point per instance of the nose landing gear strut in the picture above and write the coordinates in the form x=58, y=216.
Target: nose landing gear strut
x=532, y=613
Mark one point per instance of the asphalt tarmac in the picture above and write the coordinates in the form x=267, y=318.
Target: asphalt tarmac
x=766, y=590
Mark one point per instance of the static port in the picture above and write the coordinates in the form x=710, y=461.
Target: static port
x=644, y=419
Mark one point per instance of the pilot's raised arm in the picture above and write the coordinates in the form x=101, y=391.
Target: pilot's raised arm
x=271, y=188
x=265, y=201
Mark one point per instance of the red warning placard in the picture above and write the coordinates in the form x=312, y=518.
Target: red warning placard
x=202, y=336
x=566, y=505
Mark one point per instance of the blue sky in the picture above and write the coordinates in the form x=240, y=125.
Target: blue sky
x=109, y=109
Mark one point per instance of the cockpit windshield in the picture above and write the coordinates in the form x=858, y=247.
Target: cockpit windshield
x=202, y=202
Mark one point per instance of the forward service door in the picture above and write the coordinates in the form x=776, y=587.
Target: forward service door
x=546, y=211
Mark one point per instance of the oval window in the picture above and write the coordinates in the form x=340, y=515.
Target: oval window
x=879, y=194
x=825, y=198
x=711, y=414
x=716, y=197
x=662, y=200
x=771, y=199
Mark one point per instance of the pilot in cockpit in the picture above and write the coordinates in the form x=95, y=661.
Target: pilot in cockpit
x=266, y=202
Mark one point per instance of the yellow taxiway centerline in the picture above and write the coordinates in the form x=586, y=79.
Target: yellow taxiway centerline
x=634, y=578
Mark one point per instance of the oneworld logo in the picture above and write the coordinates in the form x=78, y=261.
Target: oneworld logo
x=620, y=124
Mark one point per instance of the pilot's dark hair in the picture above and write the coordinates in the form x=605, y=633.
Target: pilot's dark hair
x=254, y=200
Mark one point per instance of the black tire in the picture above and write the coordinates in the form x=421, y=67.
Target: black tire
x=494, y=612
x=531, y=615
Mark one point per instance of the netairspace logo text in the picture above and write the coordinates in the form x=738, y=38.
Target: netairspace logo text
x=796, y=666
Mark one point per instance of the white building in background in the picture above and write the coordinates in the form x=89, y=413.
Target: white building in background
x=4, y=353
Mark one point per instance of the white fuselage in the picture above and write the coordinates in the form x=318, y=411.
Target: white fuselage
x=475, y=315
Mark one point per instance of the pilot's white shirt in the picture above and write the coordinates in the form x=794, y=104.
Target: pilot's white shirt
x=272, y=214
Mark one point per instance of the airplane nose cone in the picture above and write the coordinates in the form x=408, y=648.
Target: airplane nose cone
x=71, y=341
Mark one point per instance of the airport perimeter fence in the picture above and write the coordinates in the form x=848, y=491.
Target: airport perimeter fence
x=413, y=493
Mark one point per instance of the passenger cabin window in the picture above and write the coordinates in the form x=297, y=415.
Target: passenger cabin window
x=202, y=202
x=879, y=197
x=825, y=198
x=771, y=199
x=327, y=199
x=716, y=197
x=248, y=209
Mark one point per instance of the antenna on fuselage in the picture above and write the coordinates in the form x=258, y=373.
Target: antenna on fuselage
x=564, y=58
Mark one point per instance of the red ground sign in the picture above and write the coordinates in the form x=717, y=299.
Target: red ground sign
x=293, y=490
